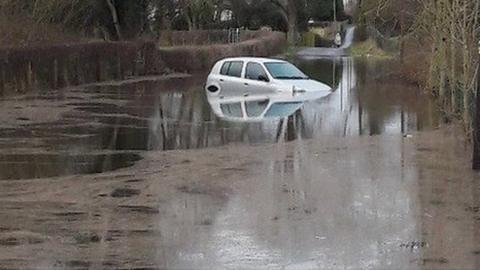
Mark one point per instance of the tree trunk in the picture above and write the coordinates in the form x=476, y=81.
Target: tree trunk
x=476, y=123
x=442, y=86
x=190, y=21
x=432, y=70
x=476, y=132
x=466, y=115
x=402, y=32
x=443, y=65
x=465, y=64
x=292, y=21
x=116, y=23
x=195, y=22
x=466, y=86
x=453, y=66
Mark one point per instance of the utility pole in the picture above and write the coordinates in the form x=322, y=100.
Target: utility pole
x=335, y=14
x=335, y=10
x=476, y=128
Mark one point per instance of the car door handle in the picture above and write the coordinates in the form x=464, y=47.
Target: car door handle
x=221, y=80
x=246, y=84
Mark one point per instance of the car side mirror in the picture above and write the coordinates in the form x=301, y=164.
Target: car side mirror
x=263, y=78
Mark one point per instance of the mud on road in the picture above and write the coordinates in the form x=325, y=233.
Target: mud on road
x=360, y=202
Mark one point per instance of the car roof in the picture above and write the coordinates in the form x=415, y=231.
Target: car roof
x=253, y=59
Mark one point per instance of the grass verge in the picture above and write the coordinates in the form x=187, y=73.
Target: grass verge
x=368, y=48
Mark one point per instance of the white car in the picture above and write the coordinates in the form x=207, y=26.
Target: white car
x=251, y=75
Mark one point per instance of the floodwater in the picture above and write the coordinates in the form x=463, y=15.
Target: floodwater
x=102, y=128
x=146, y=176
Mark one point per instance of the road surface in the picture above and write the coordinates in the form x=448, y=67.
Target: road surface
x=313, y=52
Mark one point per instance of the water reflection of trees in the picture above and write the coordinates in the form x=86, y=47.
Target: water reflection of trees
x=369, y=101
x=387, y=101
x=361, y=104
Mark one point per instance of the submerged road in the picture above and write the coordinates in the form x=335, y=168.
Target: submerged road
x=315, y=52
x=142, y=175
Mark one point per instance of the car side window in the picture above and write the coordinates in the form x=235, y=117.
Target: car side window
x=235, y=69
x=254, y=70
x=225, y=68
x=232, y=68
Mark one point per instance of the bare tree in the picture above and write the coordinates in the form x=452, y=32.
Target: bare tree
x=289, y=11
x=116, y=23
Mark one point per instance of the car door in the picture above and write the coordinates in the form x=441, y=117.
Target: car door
x=253, y=83
x=230, y=78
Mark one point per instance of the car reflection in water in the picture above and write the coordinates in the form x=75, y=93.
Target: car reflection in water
x=234, y=106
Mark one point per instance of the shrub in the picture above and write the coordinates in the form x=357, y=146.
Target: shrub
x=55, y=66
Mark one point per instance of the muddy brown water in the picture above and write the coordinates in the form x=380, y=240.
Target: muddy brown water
x=103, y=128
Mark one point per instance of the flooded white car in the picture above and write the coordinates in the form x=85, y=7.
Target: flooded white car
x=251, y=75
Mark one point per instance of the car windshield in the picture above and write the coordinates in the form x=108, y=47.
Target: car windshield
x=285, y=71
